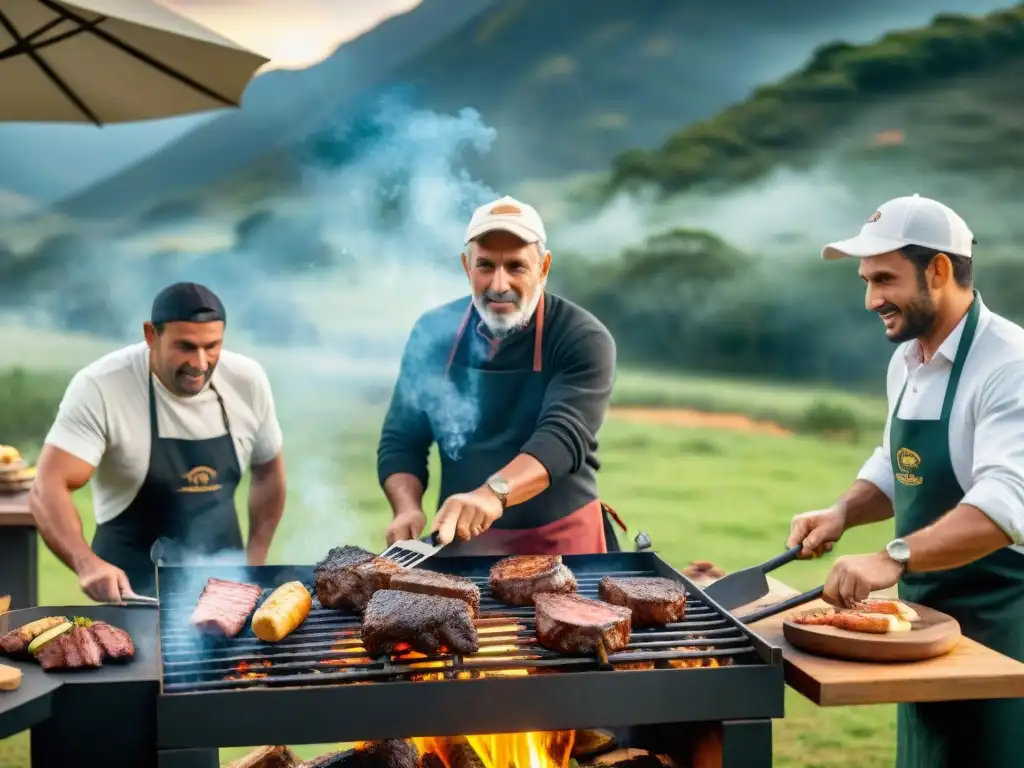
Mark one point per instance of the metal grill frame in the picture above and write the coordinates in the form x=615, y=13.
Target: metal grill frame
x=328, y=712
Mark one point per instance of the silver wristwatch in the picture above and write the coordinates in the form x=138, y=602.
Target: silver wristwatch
x=898, y=550
x=499, y=485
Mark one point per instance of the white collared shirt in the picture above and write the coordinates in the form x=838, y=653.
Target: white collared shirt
x=986, y=426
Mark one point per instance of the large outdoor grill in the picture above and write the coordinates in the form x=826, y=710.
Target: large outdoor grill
x=319, y=686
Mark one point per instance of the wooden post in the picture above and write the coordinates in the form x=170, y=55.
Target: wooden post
x=19, y=552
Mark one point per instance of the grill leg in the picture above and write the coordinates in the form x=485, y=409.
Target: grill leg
x=188, y=758
x=19, y=570
x=735, y=744
x=113, y=726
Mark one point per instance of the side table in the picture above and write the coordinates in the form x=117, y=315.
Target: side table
x=19, y=552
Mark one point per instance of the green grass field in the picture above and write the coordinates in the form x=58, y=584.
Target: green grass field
x=713, y=495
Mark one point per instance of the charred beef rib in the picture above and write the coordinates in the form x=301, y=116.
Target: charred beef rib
x=348, y=577
x=117, y=644
x=575, y=624
x=439, y=584
x=426, y=622
x=654, y=601
x=515, y=580
x=224, y=606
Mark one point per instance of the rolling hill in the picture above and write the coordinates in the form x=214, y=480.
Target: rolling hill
x=566, y=85
x=943, y=99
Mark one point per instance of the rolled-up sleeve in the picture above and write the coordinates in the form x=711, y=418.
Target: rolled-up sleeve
x=877, y=470
x=575, y=402
x=997, y=473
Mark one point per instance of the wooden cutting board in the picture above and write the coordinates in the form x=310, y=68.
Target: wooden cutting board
x=934, y=634
x=968, y=671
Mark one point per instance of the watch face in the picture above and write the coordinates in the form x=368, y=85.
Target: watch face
x=499, y=485
x=898, y=550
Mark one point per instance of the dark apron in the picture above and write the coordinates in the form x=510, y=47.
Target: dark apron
x=508, y=405
x=986, y=597
x=188, y=497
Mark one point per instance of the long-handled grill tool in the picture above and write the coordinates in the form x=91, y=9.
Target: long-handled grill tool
x=413, y=552
x=784, y=605
x=746, y=586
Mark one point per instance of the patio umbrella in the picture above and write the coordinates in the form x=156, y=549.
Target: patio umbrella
x=112, y=61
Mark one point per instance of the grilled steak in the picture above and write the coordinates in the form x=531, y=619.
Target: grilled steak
x=348, y=577
x=440, y=584
x=224, y=606
x=393, y=753
x=654, y=601
x=425, y=622
x=75, y=649
x=575, y=624
x=116, y=644
x=515, y=580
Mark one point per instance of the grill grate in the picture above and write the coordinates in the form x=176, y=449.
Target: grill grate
x=326, y=649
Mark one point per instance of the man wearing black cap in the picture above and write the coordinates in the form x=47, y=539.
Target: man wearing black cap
x=164, y=429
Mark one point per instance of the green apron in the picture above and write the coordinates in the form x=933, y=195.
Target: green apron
x=986, y=597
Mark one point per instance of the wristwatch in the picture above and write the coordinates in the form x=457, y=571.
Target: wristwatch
x=898, y=550
x=499, y=485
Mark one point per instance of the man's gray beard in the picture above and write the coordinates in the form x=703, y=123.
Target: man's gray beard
x=502, y=325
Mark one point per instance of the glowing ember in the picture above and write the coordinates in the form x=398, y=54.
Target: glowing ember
x=244, y=671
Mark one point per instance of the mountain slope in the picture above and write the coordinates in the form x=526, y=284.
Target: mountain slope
x=943, y=97
x=567, y=85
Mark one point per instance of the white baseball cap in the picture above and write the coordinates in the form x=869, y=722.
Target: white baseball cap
x=507, y=215
x=904, y=221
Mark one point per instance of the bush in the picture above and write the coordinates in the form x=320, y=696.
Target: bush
x=28, y=405
x=829, y=420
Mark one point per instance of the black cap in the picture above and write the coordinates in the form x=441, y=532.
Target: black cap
x=187, y=303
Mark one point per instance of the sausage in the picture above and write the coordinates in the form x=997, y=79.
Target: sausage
x=282, y=612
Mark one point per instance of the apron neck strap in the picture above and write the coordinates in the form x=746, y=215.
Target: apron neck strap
x=962, y=349
x=538, y=337
x=152, y=408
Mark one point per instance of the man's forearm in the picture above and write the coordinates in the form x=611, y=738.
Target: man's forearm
x=526, y=477
x=404, y=493
x=59, y=523
x=959, y=537
x=864, y=503
x=266, y=508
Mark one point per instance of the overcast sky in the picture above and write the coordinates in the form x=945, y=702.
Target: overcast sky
x=291, y=33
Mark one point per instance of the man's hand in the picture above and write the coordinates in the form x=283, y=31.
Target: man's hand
x=406, y=525
x=854, y=577
x=817, y=531
x=103, y=582
x=467, y=515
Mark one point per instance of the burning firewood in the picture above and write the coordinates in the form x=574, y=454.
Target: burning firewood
x=393, y=753
x=268, y=757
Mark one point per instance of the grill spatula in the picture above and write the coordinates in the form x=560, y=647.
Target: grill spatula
x=413, y=552
x=748, y=585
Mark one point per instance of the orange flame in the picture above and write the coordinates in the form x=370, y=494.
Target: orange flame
x=534, y=749
x=243, y=671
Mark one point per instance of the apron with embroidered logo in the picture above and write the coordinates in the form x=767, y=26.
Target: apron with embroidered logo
x=188, y=497
x=986, y=597
x=507, y=405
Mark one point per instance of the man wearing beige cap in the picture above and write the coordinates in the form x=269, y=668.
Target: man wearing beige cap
x=950, y=469
x=512, y=383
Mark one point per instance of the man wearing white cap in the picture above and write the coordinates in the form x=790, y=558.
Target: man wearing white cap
x=950, y=469
x=512, y=383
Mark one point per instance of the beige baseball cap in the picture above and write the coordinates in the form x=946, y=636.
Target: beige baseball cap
x=507, y=214
x=903, y=221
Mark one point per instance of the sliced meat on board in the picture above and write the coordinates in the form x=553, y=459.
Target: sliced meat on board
x=515, y=580
x=653, y=600
x=348, y=576
x=575, y=624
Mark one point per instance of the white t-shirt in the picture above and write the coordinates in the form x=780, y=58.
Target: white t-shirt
x=104, y=420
